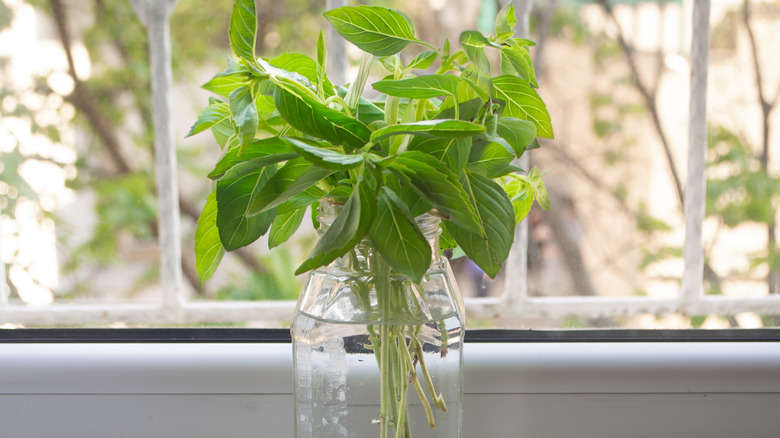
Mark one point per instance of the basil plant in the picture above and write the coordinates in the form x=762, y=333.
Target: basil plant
x=440, y=138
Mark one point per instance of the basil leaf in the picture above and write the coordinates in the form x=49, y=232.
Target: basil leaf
x=244, y=114
x=227, y=80
x=307, y=197
x=518, y=58
x=540, y=191
x=397, y=237
x=522, y=102
x=321, y=50
x=294, y=177
x=223, y=132
x=505, y=22
x=242, y=29
x=304, y=112
x=423, y=60
x=216, y=112
x=421, y=87
x=495, y=215
x=409, y=196
x=349, y=228
x=438, y=186
x=453, y=152
x=208, y=247
x=261, y=151
x=302, y=65
x=430, y=128
x=518, y=133
x=489, y=158
x=328, y=158
x=285, y=224
x=521, y=195
x=374, y=29
x=234, y=195
x=473, y=43
x=467, y=110
x=475, y=84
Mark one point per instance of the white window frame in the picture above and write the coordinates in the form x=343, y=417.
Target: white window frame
x=514, y=301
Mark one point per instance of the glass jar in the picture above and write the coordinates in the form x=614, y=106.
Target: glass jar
x=367, y=363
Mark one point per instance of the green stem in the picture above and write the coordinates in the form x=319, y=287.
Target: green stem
x=337, y=99
x=418, y=388
x=383, y=292
x=438, y=400
x=391, y=110
x=357, y=86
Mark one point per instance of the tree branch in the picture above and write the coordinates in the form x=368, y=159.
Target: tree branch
x=766, y=107
x=83, y=99
x=648, y=96
x=569, y=248
x=85, y=102
x=772, y=277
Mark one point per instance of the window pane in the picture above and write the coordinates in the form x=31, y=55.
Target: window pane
x=78, y=203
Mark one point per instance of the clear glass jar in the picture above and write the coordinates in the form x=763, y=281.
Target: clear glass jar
x=363, y=359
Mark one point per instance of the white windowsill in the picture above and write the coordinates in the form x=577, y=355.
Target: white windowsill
x=537, y=390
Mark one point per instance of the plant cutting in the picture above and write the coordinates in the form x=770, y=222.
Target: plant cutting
x=389, y=183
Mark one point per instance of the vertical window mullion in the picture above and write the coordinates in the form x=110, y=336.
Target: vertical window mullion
x=516, y=285
x=155, y=15
x=3, y=284
x=337, y=61
x=695, y=186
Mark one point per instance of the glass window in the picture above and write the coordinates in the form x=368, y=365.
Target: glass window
x=79, y=211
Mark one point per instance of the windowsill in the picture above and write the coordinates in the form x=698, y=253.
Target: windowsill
x=545, y=386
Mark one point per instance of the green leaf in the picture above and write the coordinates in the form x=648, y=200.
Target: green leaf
x=409, y=196
x=285, y=224
x=489, y=159
x=374, y=29
x=301, y=109
x=453, y=152
x=421, y=87
x=515, y=59
x=495, y=214
x=423, y=60
x=349, y=228
x=521, y=195
x=518, y=133
x=216, y=112
x=302, y=65
x=476, y=84
x=243, y=28
x=467, y=110
x=397, y=237
x=389, y=62
x=522, y=102
x=261, y=151
x=540, y=191
x=224, y=134
x=234, y=195
x=208, y=247
x=228, y=80
x=505, y=22
x=294, y=177
x=303, y=199
x=244, y=114
x=438, y=186
x=473, y=43
x=328, y=158
x=430, y=128
x=367, y=112
x=320, y=50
